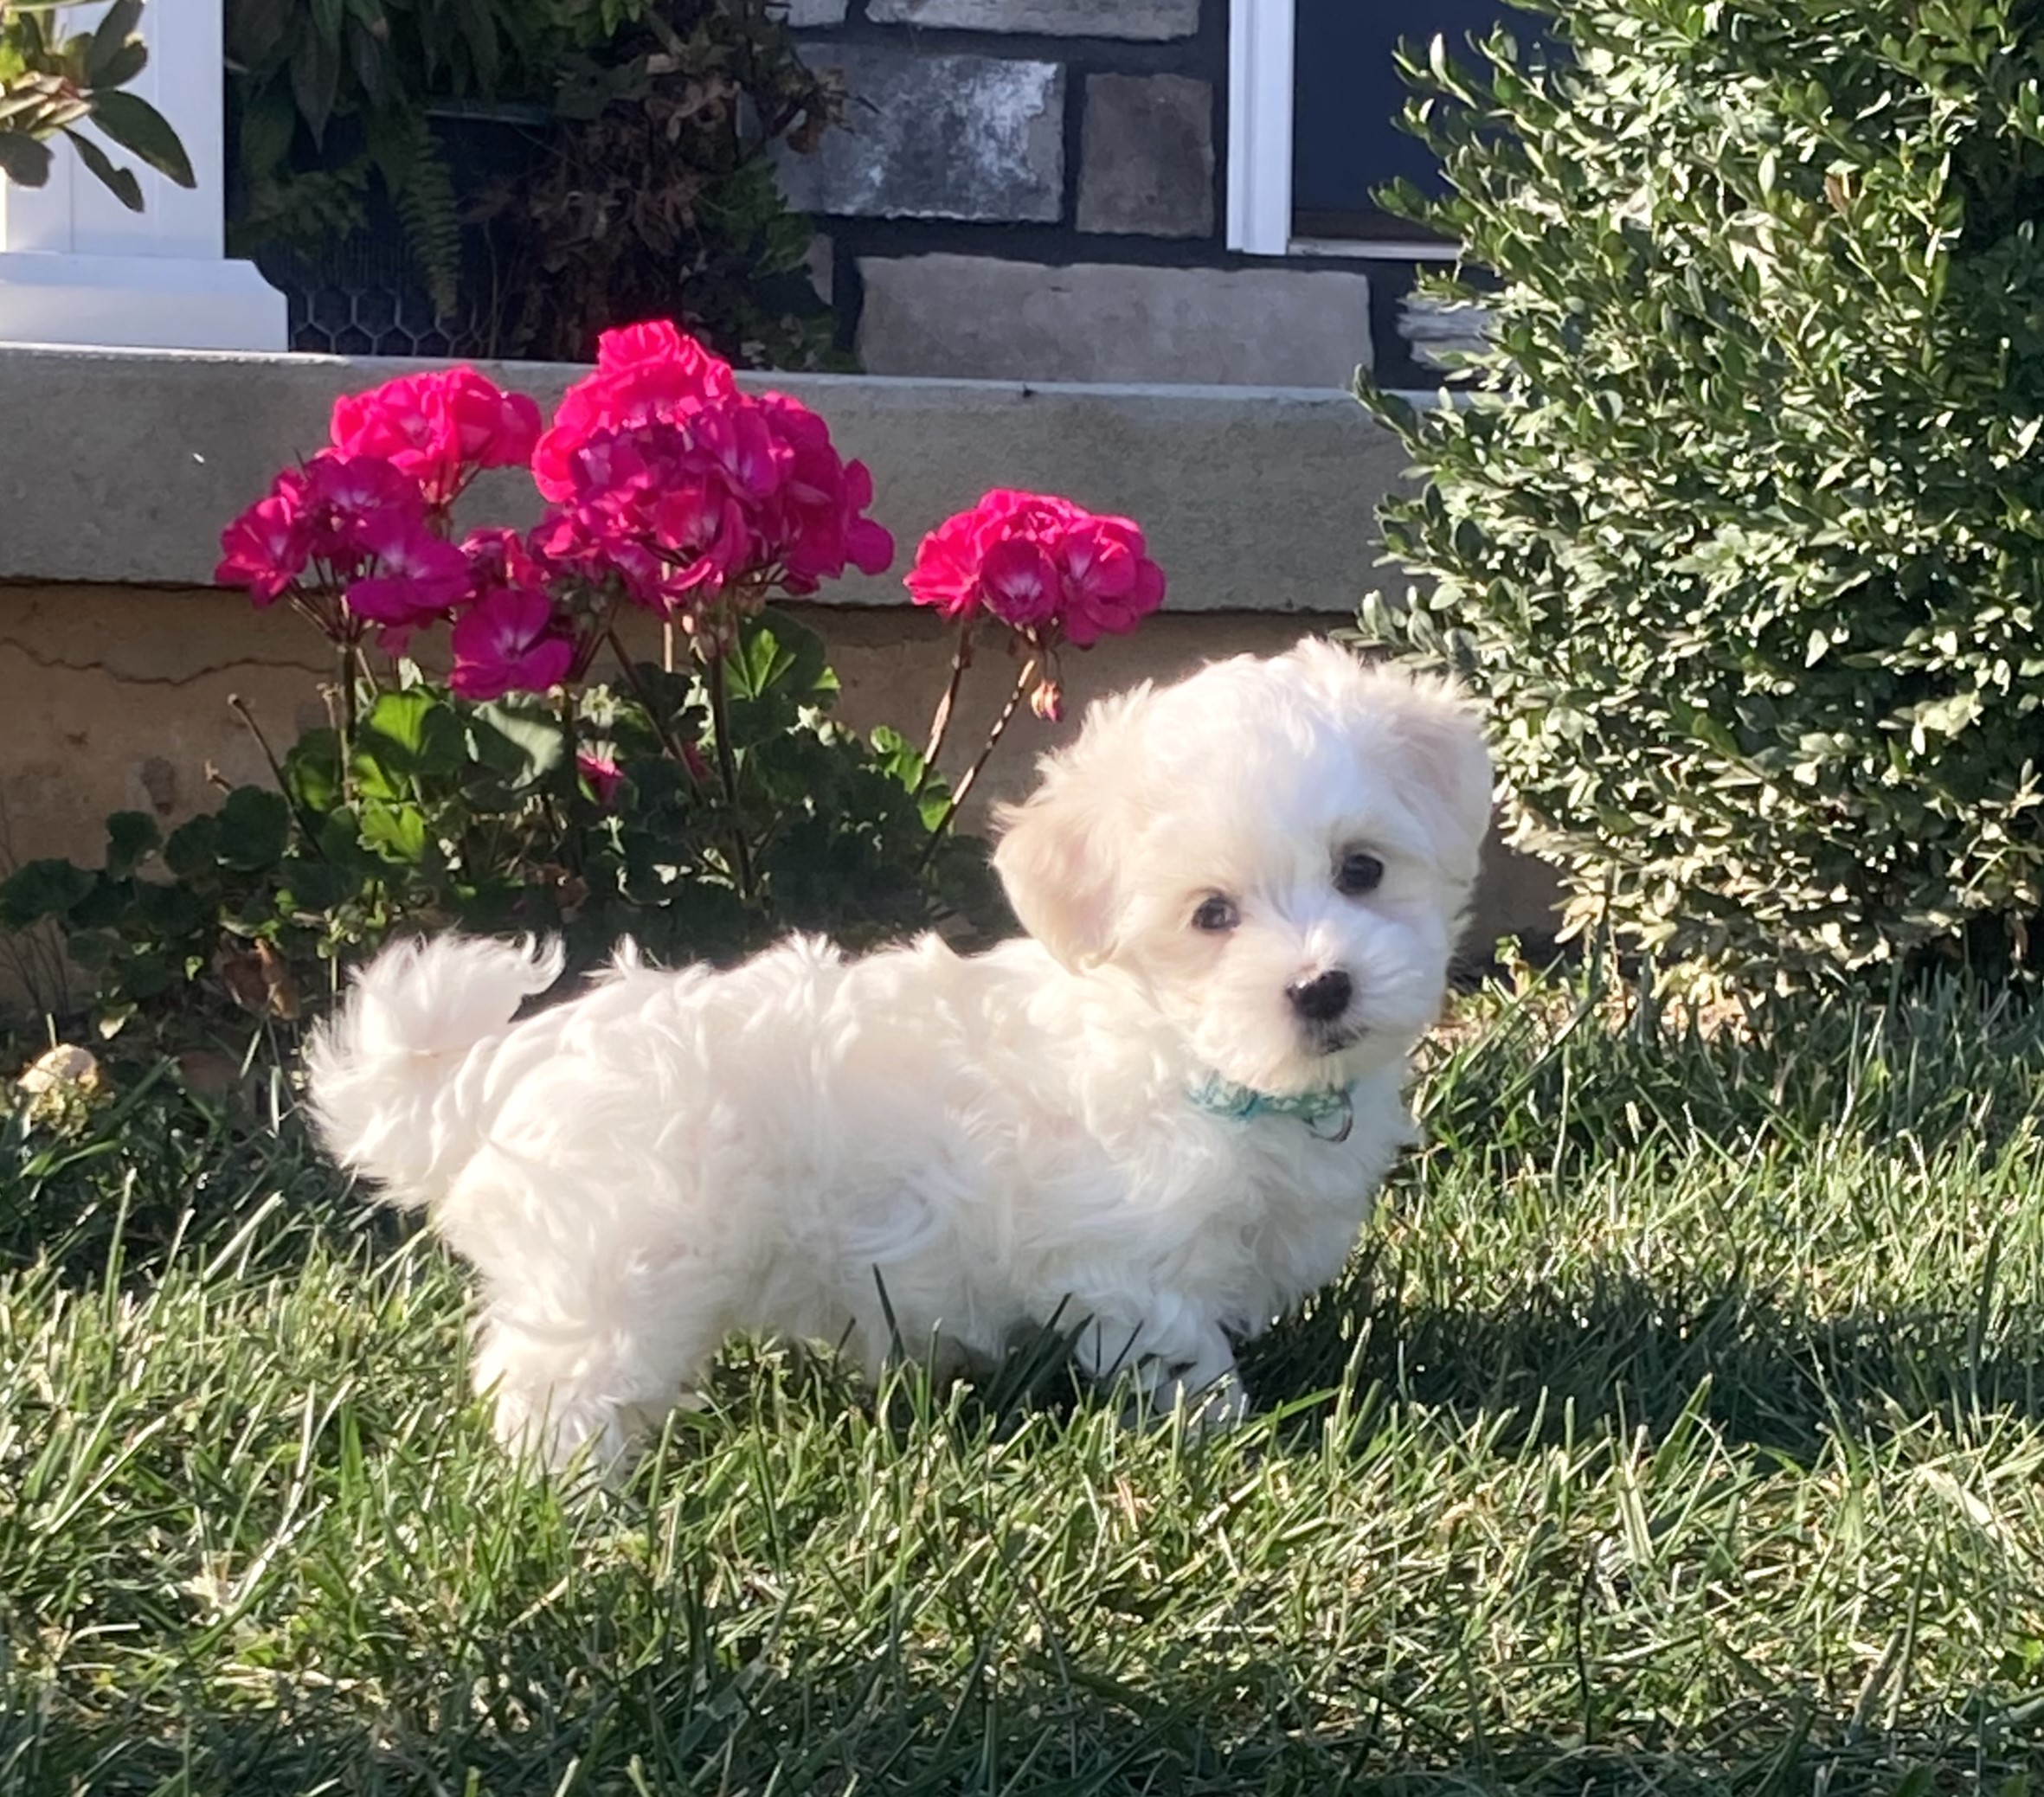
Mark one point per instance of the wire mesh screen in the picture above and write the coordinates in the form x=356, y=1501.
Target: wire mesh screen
x=366, y=294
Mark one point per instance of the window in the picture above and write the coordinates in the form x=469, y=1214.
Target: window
x=1313, y=125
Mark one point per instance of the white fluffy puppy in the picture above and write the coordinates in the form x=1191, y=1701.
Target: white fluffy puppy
x=1158, y=1119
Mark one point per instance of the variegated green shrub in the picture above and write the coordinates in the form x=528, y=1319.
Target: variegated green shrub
x=1741, y=528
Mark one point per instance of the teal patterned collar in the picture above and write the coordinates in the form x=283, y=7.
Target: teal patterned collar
x=1328, y=1116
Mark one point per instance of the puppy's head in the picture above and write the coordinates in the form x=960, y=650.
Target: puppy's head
x=1281, y=851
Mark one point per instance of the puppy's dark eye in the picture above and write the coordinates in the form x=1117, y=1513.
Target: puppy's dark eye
x=1216, y=913
x=1360, y=872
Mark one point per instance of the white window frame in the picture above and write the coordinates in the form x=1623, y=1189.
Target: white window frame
x=78, y=268
x=1262, y=35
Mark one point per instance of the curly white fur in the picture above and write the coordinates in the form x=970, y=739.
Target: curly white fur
x=923, y=1149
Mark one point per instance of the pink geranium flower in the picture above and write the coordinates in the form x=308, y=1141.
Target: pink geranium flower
x=491, y=429
x=670, y=479
x=653, y=507
x=1040, y=565
x=395, y=422
x=267, y=548
x=417, y=578
x=734, y=438
x=817, y=527
x=669, y=488
x=1110, y=584
x=656, y=342
x=439, y=428
x=352, y=500
x=358, y=487
x=946, y=575
x=602, y=773
x=499, y=557
x=697, y=529
x=644, y=373
x=1018, y=582
x=510, y=641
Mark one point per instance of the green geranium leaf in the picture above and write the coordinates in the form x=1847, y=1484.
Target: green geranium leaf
x=131, y=839
x=519, y=740
x=193, y=849
x=169, y=911
x=407, y=737
x=105, y=906
x=254, y=828
x=396, y=831
x=40, y=889
x=312, y=771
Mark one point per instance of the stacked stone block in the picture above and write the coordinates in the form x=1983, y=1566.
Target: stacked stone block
x=1032, y=189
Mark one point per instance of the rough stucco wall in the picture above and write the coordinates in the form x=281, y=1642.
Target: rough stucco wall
x=117, y=698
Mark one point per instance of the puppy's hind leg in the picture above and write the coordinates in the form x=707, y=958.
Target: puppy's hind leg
x=590, y=1384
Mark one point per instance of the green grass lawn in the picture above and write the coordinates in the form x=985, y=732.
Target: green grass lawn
x=1681, y=1428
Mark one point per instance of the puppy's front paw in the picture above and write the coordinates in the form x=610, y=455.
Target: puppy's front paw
x=1176, y=1367
x=1206, y=1399
x=1222, y=1406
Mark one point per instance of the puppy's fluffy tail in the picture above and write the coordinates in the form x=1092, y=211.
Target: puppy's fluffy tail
x=383, y=1082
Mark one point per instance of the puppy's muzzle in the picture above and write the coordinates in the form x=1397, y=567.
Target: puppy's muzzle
x=1322, y=999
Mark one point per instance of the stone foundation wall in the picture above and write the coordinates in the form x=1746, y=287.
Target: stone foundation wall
x=1035, y=190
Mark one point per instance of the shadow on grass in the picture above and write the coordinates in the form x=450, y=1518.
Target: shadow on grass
x=1011, y=1714
x=1615, y=1348
x=161, y=1172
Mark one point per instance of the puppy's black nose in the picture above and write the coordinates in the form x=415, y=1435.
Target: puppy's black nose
x=1323, y=999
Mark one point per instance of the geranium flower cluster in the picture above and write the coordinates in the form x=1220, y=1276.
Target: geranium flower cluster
x=669, y=489
x=1041, y=566
x=356, y=537
x=1052, y=572
x=666, y=477
x=440, y=428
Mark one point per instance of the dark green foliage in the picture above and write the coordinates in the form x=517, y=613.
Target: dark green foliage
x=300, y=67
x=1740, y=531
x=650, y=125
x=657, y=196
x=51, y=85
x=450, y=814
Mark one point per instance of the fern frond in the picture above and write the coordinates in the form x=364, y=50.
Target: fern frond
x=421, y=188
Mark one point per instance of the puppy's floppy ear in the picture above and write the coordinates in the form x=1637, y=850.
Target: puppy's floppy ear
x=1434, y=736
x=1057, y=856
x=1444, y=748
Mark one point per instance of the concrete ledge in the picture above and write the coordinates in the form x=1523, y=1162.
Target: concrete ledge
x=121, y=468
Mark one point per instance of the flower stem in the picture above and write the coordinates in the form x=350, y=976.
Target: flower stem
x=669, y=746
x=1023, y=681
x=727, y=767
x=940, y=721
x=307, y=824
x=239, y=706
x=572, y=785
x=588, y=641
x=567, y=714
x=349, y=668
